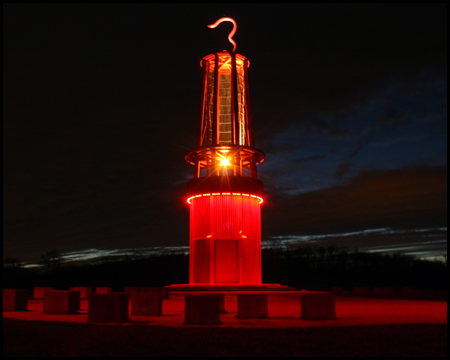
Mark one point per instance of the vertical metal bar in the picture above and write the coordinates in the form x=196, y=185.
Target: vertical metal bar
x=238, y=163
x=215, y=123
x=248, y=118
x=234, y=94
x=201, y=118
x=215, y=167
x=233, y=104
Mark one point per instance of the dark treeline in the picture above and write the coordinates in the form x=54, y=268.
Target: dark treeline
x=303, y=268
x=321, y=269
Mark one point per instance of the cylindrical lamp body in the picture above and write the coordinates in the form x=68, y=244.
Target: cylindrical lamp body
x=225, y=239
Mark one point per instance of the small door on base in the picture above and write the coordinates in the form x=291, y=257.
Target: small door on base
x=226, y=261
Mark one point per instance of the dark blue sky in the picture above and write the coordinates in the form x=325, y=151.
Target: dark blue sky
x=101, y=102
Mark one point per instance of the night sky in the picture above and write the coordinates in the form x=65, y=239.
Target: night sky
x=100, y=105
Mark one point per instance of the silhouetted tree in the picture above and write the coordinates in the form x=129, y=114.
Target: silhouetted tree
x=9, y=263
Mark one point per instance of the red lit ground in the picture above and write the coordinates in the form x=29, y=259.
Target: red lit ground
x=284, y=312
x=365, y=327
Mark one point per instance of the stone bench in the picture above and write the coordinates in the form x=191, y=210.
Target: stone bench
x=202, y=310
x=61, y=302
x=15, y=299
x=38, y=292
x=108, y=308
x=132, y=290
x=164, y=292
x=147, y=304
x=103, y=290
x=222, y=303
x=84, y=291
x=337, y=290
x=252, y=306
x=318, y=306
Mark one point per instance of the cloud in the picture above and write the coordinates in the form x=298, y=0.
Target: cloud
x=342, y=169
x=402, y=198
x=310, y=158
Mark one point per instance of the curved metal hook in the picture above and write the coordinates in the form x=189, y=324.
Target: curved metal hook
x=230, y=35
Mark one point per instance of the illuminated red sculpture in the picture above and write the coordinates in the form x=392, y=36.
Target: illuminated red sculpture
x=225, y=195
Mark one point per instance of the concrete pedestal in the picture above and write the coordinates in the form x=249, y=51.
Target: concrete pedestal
x=337, y=290
x=156, y=290
x=131, y=290
x=252, y=306
x=108, y=308
x=38, y=292
x=15, y=299
x=146, y=304
x=61, y=302
x=361, y=290
x=202, y=310
x=84, y=291
x=318, y=306
x=103, y=290
x=222, y=303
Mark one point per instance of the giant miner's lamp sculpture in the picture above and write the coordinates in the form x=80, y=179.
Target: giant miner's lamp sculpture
x=225, y=195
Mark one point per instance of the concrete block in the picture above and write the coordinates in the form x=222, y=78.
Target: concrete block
x=131, y=290
x=252, y=306
x=337, y=290
x=108, y=308
x=361, y=290
x=103, y=290
x=15, y=299
x=84, y=291
x=38, y=292
x=61, y=302
x=148, y=304
x=202, y=310
x=318, y=306
x=383, y=290
x=163, y=291
x=222, y=303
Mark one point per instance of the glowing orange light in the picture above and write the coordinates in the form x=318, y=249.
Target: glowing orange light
x=230, y=35
x=225, y=162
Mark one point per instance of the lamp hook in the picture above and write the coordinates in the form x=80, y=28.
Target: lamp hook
x=230, y=35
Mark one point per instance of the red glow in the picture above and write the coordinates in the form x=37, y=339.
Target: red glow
x=225, y=194
x=189, y=200
x=219, y=253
